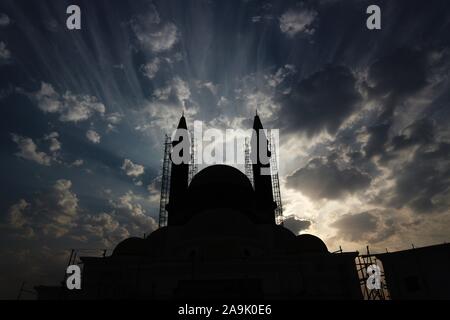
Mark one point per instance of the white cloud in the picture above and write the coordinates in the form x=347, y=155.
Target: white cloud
x=258, y=91
x=80, y=107
x=166, y=107
x=181, y=89
x=28, y=150
x=110, y=128
x=114, y=118
x=77, y=163
x=152, y=34
x=293, y=22
x=56, y=214
x=55, y=144
x=273, y=80
x=18, y=221
x=66, y=200
x=223, y=102
x=128, y=206
x=5, y=54
x=213, y=88
x=162, y=115
x=261, y=101
x=151, y=68
x=154, y=190
x=52, y=213
x=131, y=169
x=104, y=227
x=127, y=218
x=174, y=58
x=71, y=107
x=163, y=93
x=93, y=136
x=4, y=20
x=177, y=88
x=16, y=214
x=48, y=99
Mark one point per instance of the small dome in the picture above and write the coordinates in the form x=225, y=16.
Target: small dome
x=310, y=244
x=283, y=235
x=130, y=247
x=158, y=236
x=155, y=243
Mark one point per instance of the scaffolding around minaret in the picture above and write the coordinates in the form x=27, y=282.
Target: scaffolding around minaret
x=193, y=167
x=274, y=174
x=269, y=185
x=248, y=165
x=275, y=181
x=165, y=176
x=165, y=183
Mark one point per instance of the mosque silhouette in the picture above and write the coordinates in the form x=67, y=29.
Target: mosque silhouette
x=221, y=241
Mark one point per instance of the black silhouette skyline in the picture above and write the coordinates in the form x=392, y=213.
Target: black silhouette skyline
x=221, y=241
x=363, y=118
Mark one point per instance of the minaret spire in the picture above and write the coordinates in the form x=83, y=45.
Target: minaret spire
x=260, y=156
x=179, y=177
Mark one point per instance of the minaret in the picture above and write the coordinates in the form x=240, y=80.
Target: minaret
x=265, y=204
x=179, y=177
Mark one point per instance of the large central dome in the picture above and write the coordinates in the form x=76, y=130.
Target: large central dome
x=221, y=174
x=218, y=187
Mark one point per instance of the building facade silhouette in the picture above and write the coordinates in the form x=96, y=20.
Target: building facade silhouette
x=221, y=241
x=418, y=273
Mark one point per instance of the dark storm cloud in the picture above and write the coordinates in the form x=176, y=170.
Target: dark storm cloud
x=391, y=80
x=422, y=181
x=357, y=227
x=323, y=179
x=421, y=132
x=320, y=102
x=417, y=153
x=296, y=225
x=371, y=227
x=423, y=184
x=400, y=73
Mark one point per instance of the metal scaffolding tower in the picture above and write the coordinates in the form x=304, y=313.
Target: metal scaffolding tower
x=193, y=166
x=275, y=182
x=165, y=183
x=248, y=163
x=362, y=264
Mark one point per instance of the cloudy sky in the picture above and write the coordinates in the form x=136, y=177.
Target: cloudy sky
x=363, y=117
